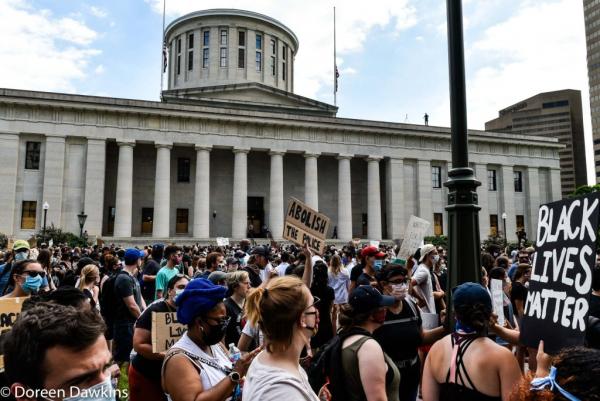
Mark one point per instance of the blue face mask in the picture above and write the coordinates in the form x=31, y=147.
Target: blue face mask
x=103, y=391
x=19, y=256
x=32, y=284
x=377, y=265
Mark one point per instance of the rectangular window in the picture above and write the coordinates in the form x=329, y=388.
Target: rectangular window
x=493, y=225
x=283, y=71
x=258, y=61
x=223, y=37
x=190, y=41
x=178, y=56
x=205, y=38
x=273, y=47
x=28, y=215
x=284, y=52
x=205, y=58
x=183, y=169
x=438, y=224
x=147, y=220
x=492, y=180
x=518, y=181
x=241, y=58
x=436, y=176
x=223, y=58
x=241, y=38
x=190, y=52
x=181, y=222
x=273, y=65
x=32, y=155
x=520, y=222
x=258, y=42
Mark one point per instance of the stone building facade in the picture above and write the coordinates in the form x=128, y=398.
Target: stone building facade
x=216, y=156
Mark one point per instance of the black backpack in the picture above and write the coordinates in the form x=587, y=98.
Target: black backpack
x=108, y=298
x=326, y=366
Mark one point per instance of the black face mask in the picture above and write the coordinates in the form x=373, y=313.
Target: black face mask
x=214, y=334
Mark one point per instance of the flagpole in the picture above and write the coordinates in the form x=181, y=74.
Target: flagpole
x=162, y=48
x=335, y=72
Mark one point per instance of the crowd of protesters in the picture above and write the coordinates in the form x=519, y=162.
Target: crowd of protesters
x=276, y=321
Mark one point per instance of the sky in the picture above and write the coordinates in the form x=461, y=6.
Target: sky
x=391, y=54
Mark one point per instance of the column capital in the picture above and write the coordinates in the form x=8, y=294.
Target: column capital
x=374, y=158
x=240, y=150
x=207, y=148
x=308, y=155
x=275, y=152
x=163, y=145
x=126, y=143
x=343, y=156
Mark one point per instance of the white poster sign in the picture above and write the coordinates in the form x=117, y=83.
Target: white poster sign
x=498, y=300
x=413, y=237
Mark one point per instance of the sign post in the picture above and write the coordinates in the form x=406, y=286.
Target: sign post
x=304, y=225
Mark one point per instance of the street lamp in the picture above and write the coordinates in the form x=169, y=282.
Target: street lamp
x=82, y=218
x=504, y=228
x=45, y=206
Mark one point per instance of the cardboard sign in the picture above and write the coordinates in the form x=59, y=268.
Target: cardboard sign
x=32, y=242
x=304, y=225
x=10, y=309
x=11, y=243
x=166, y=330
x=99, y=242
x=413, y=237
x=557, y=303
x=498, y=300
x=430, y=320
x=221, y=241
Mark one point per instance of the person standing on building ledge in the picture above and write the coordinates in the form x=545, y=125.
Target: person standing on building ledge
x=426, y=118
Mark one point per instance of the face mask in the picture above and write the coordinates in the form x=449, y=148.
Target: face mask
x=377, y=265
x=19, y=256
x=215, y=334
x=103, y=391
x=32, y=284
x=436, y=258
x=399, y=291
x=221, y=267
x=177, y=293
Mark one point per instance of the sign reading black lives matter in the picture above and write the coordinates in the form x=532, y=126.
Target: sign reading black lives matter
x=557, y=302
x=304, y=225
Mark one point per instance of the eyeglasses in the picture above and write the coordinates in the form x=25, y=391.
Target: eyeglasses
x=316, y=301
x=398, y=281
x=34, y=273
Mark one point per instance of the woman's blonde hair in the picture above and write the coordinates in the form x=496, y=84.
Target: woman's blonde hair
x=235, y=278
x=335, y=265
x=87, y=273
x=276, y=308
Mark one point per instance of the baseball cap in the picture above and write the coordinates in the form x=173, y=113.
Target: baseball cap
x=132, y=255
x=470, y=294
x=425, y=250
x=20, y=244
x=366, y=298
x=372, y=251
x=232, y=261
x=157, y=247
x=260, y=250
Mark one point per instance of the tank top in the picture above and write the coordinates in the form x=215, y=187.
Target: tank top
x=455, y=387
x=352, y=373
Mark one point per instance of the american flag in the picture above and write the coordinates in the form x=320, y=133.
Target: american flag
x=337, y=75
x=164, y=52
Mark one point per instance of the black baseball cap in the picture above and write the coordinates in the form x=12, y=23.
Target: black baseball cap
x=261, y=250
x=366, y=298
x=470, y=294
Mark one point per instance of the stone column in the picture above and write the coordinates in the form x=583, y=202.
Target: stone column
x=239, y=220
x=54, y=171
x=123, y=204
x=344, y=225
x=424, y=193
x=532, y=191
x=395, y=198
x=555, y=188
x=508, y=204
x=483, y=197
x=276, y=195
x=162, y=192
x=202, y=192
x=9, y=163
x=373, y=199
x=311, y=180
x=95, y=168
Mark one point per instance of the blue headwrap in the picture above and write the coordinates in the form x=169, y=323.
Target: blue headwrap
x=199, y=296
x=541, y=383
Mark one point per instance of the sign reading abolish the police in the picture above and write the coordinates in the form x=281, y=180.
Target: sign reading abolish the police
x=10, y=309
x=166, y=330
x=557, y=302
x=304, y=225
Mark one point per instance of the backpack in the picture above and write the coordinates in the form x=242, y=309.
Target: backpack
x=326, y=366
x=108, y=299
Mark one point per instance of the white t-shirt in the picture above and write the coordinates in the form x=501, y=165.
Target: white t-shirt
x=424, y=287
x=339, y=284
x=282, y=268
x=268, y=383
x=254, y=332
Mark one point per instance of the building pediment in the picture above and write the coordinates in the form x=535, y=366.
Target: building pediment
x=250, y=96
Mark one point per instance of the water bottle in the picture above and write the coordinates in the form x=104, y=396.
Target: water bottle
x=234, y=355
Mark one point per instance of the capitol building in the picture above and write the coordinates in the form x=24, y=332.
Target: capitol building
x=230, y=142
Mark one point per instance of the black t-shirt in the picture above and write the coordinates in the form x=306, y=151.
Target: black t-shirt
x=125, y=285
x=236, y=322
x=150, y=269
x=364, y=279
x=595, y=306
x=150, y=368
x=518, y=292
x=356, y=271
x=325, y=332
x=400, y=336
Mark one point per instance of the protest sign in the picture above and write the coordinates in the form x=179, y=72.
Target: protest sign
x=498, y=300
x=10, y=309
x=413, y=237
x=430, y=320
x=166, y=330
x=221, y=241
x=557, y=301
x=32, y=242
x=304, y=225
x=11, y=243
x=374, y=243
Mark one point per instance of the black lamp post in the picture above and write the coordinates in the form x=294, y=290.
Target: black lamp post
x=504, y=228
x=45, y=206
x=82, y=217
x=463, y=211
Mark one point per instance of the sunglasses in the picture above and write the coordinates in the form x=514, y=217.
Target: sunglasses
x=34, y=273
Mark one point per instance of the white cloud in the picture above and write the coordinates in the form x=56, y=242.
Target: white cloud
x=98, y=12
x=313, y=66
x=40, y=51
x=348, y=71
x=99, y=70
